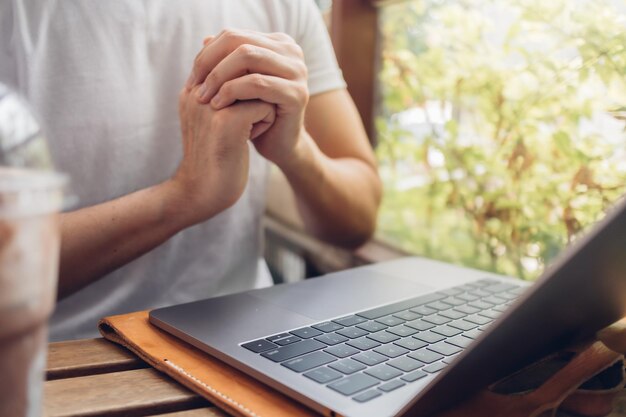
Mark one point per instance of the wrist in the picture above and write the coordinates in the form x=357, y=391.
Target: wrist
x=303, y=154
x=177, y=207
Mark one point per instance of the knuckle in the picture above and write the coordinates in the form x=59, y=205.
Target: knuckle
x=233, y=37
x=228, y=33
x=301, y=93
x=245, y=49
x=213, y=77
x=297, y=50
x=197, y=61
x=282, y=36
x=248, y=52
x=301, y=70
x=258, y=81
x=226, y=89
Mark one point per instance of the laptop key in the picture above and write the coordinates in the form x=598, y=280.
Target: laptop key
x=453, y=301
x=449, y=359
x=496, y=288
x=407, y=315
x=383, y=372
x=306, y=332
x=481, y=305
x=391, y=351
x=444, y=348
x=414, y=376
x=467, y=309
x=494, y=300
x=468, y=287
x=460, y=341
x=331, y=338
x=473, y=334
x=429, y=337
x=391, y=385
x=423, y=310
x=467, y=297
x=259, y=346
x=287, y=340
x=518, y=290
x=341, y=351
x=492, y=314
x=363, y=343
x=446, y=331
x=323, y=375
x=327, y=327
x=420, y=325
x=426, y=356
x=372, y=326
x=462, y=325
x=370, y=358
x=354, y=383
x=367, y=395
x=487, y=281
x=278, y=336
x=501, y=309
x=452, y=291
x=349, y=321
x=405, y=364
x=479, y=319
x=383, y=337
x=452, y=314
x=347, y=366
x=509, y=296
x=480, y=293
x=390, y=321
x=352, y=332
x=310, y=361
x=438, y=305
x=434, y=367
x=436, y=319
x=284, y=353
x=402, y=331
x=410, y=343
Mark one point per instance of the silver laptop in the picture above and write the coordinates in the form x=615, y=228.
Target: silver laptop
x=408, y=337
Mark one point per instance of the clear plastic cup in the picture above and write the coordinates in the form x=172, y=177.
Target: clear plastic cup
x=31, y=197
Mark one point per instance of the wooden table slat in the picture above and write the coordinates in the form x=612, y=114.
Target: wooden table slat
x=136, y=392
x=88, y=357
x=199, y=412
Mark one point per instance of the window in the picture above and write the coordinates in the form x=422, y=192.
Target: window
x=502, y=126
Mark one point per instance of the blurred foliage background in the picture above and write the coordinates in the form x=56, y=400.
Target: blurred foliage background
x=502, y=127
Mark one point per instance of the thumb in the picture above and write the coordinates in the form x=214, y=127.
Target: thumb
x=255, y=111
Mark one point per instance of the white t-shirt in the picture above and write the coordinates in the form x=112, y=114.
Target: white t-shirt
x=104, y=77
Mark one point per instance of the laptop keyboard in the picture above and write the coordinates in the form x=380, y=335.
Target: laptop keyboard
x=377, y=351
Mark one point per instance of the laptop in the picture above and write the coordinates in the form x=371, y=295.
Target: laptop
x=413, y=336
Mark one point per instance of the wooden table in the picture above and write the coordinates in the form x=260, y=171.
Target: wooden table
x=95, y=377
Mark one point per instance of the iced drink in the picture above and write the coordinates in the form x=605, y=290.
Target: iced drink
x=29, y=253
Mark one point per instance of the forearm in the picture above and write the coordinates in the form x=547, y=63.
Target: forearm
x=338, y=198
x=99, y=239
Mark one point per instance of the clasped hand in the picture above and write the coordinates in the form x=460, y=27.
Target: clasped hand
x=244, y=86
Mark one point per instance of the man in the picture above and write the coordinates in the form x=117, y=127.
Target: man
x=160, y=223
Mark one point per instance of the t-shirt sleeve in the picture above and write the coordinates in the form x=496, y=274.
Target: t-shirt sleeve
x=313, y=38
